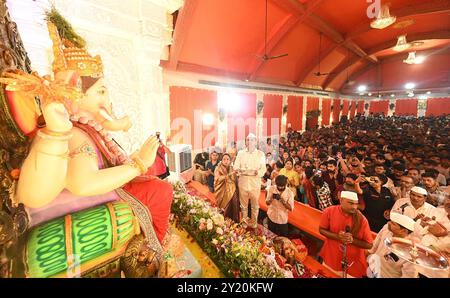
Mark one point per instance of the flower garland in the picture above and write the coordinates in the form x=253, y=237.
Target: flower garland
x=235, y=251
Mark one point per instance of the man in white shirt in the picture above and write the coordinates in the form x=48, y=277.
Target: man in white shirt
x=415, y=206
x=438, y=235
x=280, y=200
x=250, y=164
x=384, y=263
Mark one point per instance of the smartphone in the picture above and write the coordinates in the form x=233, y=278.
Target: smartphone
x=276, y=196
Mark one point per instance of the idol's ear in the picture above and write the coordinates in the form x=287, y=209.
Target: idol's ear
x=69, y=77
x=24, y=110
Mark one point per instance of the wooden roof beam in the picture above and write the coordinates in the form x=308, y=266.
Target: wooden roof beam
x=182, y=26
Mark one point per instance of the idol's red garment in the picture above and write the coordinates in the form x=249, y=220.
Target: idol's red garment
x=157, y=195
x=335, y=220
x=159, y=165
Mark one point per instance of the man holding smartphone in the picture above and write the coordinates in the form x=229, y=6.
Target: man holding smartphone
x=280, y=200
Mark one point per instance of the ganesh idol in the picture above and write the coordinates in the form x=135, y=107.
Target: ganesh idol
x=73, y=161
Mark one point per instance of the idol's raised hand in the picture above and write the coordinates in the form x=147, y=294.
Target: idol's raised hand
x=57, y=118
x=148, y=151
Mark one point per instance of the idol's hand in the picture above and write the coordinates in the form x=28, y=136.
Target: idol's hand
x=148, y=151
x=57, y=118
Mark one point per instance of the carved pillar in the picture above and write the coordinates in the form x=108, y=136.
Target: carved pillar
x=13, y=149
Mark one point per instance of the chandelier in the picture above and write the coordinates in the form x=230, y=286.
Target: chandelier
x=384, y=19
x=412, y=59
x=402, y=44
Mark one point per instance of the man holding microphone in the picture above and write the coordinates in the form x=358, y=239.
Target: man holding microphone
x=250, y=165
x=346, y=230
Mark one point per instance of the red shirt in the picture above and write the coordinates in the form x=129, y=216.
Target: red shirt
x=334, y=220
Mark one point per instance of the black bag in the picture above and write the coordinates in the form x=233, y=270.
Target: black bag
x=167, y=173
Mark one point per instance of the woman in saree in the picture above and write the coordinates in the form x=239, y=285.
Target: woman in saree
x=225, y=189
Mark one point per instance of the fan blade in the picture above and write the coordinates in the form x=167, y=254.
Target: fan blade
x=323, y=73
x=278, y=56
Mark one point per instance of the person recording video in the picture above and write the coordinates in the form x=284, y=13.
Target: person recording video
x=280, y=200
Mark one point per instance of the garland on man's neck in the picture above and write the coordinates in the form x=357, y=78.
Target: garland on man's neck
x=65, y=30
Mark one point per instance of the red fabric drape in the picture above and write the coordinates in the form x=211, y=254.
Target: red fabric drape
x=242, y=120
x=187, y=108
x=353, y=108
x=336, y=110
x=326, y=110
x=344, y=108
x=438, y=107
x=361, y=107
x=312, y=104
x=378, y=107
x=295, y=112
x=272, y=112
x=406, y=107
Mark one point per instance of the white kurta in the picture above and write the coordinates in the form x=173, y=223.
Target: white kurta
x=250, y=186
x=246, y=160
x=388, y=267
x=404, y=206
x=427, y=239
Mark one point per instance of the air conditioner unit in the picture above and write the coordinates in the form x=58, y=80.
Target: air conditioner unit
x=179, y=162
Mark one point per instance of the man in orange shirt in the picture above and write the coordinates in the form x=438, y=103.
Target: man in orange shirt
x=334, y=222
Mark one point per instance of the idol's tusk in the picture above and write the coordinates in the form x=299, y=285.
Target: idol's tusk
x=105, y=115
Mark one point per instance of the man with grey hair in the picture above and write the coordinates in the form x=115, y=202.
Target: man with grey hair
x=250, y=164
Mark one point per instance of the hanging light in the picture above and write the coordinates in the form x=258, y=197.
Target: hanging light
x=410, y=86
x=412, y=59
x=402, y=44
x=384, y=19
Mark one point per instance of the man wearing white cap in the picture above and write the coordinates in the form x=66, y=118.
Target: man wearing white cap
x=415, y=206
x=386, y=264
x=250, y=164
x=345, y=225
x=437, y=237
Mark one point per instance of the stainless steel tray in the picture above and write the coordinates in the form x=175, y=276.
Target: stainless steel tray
x=416, y=253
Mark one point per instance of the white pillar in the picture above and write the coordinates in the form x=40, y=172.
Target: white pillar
x=421, y=107
x=259, y=117
x=284, y=103
x=366, y=112
x=391, y=112
x=319, y=121
x=305, y=98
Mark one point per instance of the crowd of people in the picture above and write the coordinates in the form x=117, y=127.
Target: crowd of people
x=391, y=165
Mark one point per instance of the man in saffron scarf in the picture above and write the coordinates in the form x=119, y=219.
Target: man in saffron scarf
x=334, y=222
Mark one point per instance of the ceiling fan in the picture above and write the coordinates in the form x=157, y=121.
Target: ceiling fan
x=318, y=73
x=266, y=57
